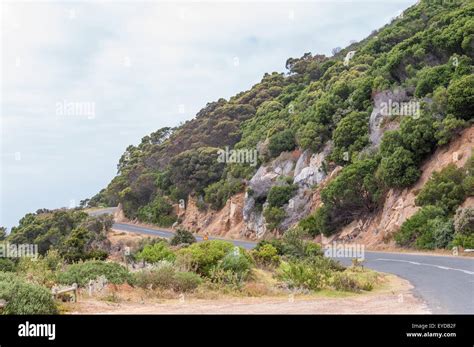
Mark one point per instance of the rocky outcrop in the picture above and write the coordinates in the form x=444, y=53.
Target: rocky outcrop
x=227, y=222
x=378, y=118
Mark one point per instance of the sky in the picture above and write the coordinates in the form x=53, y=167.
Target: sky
x=80, y=81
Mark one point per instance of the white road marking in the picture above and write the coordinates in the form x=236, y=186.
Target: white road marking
x=432, y=265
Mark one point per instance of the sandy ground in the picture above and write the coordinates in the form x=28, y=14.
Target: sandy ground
x=395, y=298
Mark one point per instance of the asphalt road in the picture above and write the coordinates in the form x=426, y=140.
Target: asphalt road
x=445, y=283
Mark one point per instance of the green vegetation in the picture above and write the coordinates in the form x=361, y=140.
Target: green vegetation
x=82, y=273
x=435, y=225
x=354, y=192
x=23, y=297
x=427, y=53
x=73, y=233
x=155, y=252
x=279, y=195
x=201, y=257
x=182, y=236
x=165, y=276
x=445, y=189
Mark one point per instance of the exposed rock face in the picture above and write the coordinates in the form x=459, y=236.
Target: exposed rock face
x=265, y=177
x=377, y=117
x=310, y=168
x=308, y=173
x=254, y=222
x=226, y=222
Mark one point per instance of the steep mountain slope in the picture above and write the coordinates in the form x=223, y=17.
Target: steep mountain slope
x=341, y=140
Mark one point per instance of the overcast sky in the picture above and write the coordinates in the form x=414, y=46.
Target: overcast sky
x=131, y=68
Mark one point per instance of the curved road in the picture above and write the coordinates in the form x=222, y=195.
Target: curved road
x=445, y=283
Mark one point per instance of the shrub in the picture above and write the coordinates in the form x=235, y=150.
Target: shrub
x=351, y=135
x=237, y=262
x=464, y=221
x=274, y=216
x=158, y=212
x=281, y=141
x=267, y=255
x=37, y=271
x=448, y=129
x=416, y=226
x=343, y=282
x=186, y=281
x=313, y=136
x=218, y=193
x=23, y=297
x=444, y=189
x=303, y=274
x=461, y=97
x=279, y=195
x=442, y=230
x=399, y=169
x=464, y=241
x=293, y=245
x=203, y=256
x=418, y=135
x=82, y=273
x=7, y=265
x=354, y=192
x=161, y=276
x=182, y=236
x=156, y=252
x=319, y=222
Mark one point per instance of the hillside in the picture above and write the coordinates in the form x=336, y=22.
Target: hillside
x=341, y=146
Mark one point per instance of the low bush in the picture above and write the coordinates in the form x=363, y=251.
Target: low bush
x=238, y=262
x=464, y=221
x=7, y=265
x=281, y=141
x=417, y=225
x=448, y=129
x=279, y=195
x=153, y=253
x=182, y=237
x=201, y=257
x=301, y=274
x=267, y=255
x=444, y=189
x=186, y=281
x=82, y=273
x=36, y=271
x=293, y=245
x=343, y=282
x=399, y=169
x=23, y=297
x=161, y=276
x=274, y=216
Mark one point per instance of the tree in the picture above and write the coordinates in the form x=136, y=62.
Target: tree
x=399, y=170
x=279, y=195
x=461, y=97
x=3, y=233
x=281, y=141
x=448, y=129
x=351, y=134
x=416, y=226
x=444, y=189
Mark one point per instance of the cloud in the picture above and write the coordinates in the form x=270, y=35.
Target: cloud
x=137, y=63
